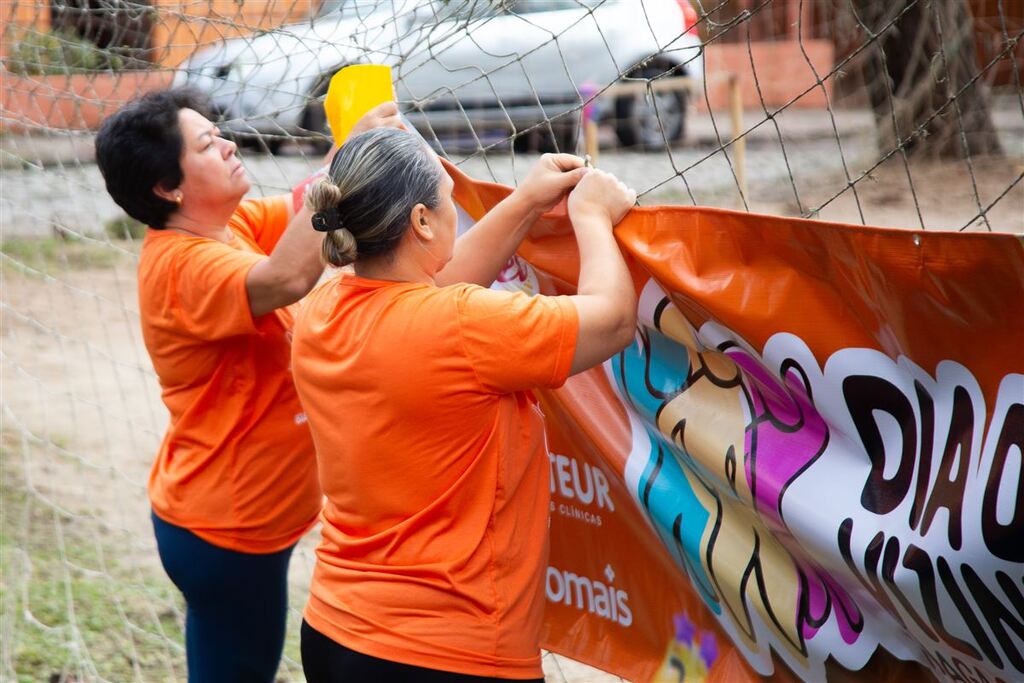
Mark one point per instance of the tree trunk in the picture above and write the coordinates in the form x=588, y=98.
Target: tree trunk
x=915, y=71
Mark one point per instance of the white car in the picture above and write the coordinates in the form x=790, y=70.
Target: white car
x=489, y=70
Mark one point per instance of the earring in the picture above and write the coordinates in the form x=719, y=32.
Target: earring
x=178, y=199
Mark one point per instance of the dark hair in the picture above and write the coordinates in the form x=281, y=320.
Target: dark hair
x=139, y=148
x=364, y=202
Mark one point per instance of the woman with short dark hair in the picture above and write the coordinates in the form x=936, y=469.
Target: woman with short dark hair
x=429, y=441
x=234, y=485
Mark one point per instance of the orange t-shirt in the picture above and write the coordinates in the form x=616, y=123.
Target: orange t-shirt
x=237, y=465
x=432, y=457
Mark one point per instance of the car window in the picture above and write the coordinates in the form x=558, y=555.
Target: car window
x=532, y=6
x=329, y=7
x=463, y=10
x=364, y=8
x=443, y=10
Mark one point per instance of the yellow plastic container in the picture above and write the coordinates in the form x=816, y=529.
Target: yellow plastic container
x=353, y=91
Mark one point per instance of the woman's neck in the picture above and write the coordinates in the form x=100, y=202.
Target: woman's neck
x=392, y=268
x=212, y=226
x=222, y=234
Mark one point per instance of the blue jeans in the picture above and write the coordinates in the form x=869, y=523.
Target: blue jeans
x=237, y=605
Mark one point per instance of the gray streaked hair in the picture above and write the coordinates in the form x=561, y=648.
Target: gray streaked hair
x=375, y=180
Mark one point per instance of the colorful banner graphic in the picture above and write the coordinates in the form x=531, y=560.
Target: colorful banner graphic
x=810, y=462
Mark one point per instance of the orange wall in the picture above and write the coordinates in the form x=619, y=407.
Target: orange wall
x=19, y=17
x=81, y=101
x=183, y=27
x=72, y=102
x=782, y=72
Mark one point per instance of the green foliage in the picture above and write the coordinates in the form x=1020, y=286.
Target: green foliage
x=57, y=52
x=124, y=228
x=51, y=255
x=68, y=603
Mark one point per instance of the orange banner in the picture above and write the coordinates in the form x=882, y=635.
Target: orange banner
x=809, y=463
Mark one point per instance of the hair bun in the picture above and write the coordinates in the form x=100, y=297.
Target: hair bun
x=322, y=195
x=339, y=248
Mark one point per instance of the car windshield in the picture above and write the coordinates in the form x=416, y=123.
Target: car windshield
x=435, y=10
x=364, y=8
x=531, y=6
x=443, y=10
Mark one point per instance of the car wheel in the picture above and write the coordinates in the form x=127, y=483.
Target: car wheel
x=560, y=137
x=647, y=120
x=567, y=135
x=314, y=120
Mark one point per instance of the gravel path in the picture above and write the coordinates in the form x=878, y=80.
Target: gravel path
x=793, y=162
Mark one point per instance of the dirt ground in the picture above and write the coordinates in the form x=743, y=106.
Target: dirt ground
x=933, y=195
x=81, y=410
x=81, y=421
x=82, y=418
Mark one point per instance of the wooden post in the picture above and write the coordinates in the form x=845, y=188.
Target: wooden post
x=590, y=139
x=791, y=18
x=739, y=145
x=587, y=91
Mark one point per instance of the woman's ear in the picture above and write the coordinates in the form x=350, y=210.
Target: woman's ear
x=420, y=221
x=170, y=195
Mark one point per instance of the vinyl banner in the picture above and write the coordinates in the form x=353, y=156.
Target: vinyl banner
x=807, y=466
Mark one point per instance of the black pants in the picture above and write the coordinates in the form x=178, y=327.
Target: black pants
x=325, y=661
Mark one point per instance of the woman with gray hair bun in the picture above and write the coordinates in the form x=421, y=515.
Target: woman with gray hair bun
x=374, y=195
x=417, y=386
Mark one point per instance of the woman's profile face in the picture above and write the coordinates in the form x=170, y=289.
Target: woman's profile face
x=211, y=173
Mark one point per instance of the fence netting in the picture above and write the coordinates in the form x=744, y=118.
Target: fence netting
x=900, y=113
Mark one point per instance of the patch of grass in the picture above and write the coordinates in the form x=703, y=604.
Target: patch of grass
x=124, y=228
x=71, y=610
x=51, y=255
x=291, y=646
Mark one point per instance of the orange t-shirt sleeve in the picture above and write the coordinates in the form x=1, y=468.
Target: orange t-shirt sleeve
x=516, y=342
x=209, y=297
x=265, y=220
